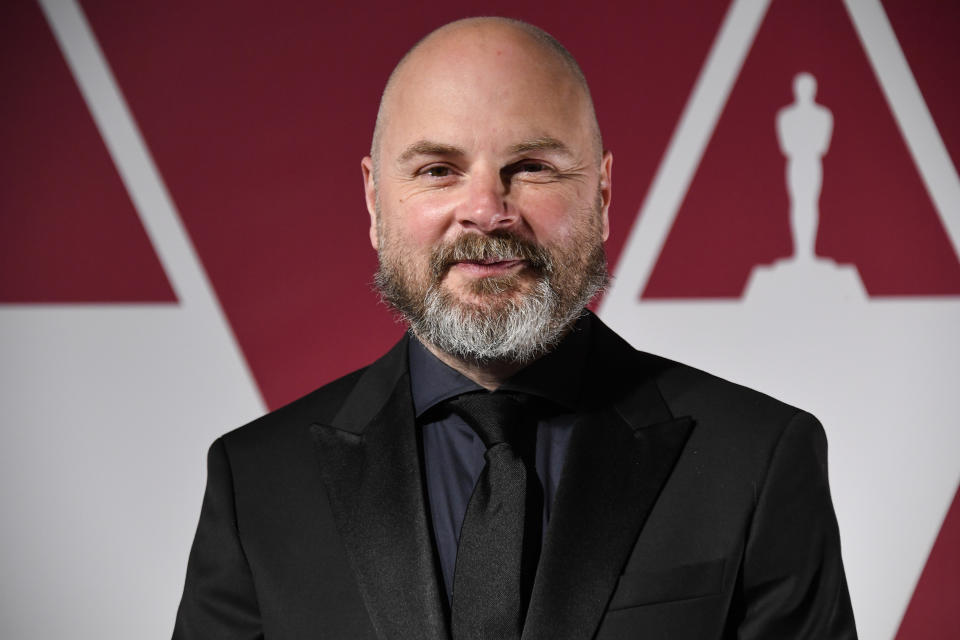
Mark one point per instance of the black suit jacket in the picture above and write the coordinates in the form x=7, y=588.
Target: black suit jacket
x=689, y=507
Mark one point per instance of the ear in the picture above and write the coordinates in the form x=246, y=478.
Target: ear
x=606, y=191
x=370, y=191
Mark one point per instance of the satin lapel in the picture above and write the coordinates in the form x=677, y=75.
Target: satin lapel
x=618, y=460
x=369, y=459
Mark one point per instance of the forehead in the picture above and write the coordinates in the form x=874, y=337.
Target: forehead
x=485, y=89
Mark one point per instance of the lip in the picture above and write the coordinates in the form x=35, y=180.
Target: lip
x=481, y=268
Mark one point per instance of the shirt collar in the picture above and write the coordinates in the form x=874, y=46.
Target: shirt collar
x=557, y=376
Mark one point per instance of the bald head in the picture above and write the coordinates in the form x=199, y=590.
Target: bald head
x=486, y=42
x=487, y=134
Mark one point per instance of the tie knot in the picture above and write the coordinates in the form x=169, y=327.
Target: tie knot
x=497, y=417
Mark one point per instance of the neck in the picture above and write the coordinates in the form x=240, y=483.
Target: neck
x=489, y=375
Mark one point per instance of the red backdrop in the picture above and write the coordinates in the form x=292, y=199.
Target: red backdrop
x=257, y=115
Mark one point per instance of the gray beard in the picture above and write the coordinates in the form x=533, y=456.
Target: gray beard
x=523, y=330
x=519, y=329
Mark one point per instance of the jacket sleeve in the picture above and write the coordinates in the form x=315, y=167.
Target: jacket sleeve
x=219, y=600
x=792, y=578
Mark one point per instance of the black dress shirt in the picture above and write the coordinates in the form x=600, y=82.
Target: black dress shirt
x=454, y=455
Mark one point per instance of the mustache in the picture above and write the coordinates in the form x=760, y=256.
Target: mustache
x=498, y=245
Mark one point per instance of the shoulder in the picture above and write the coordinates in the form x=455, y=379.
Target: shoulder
x=277, y=452
x=735, y=424
x=287, y=429
x=687, y=389
x=740, y=437
x=289, y=424
x=720, y=409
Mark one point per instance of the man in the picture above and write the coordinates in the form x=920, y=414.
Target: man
x=511, y=467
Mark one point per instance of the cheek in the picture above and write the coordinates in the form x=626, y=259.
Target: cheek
x=419, y=225
x=553, y=217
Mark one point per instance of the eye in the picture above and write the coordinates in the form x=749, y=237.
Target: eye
x=531, y=167
x=436, y=171
x=531, y=170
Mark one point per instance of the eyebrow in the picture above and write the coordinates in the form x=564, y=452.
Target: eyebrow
x=545, y=143
x=429, y=148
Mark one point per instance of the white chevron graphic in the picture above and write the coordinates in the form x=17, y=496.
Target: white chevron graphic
x=107, y=411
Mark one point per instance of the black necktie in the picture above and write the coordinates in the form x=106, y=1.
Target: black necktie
x=500, y=536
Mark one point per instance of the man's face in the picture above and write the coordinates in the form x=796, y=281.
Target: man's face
x=490, y=181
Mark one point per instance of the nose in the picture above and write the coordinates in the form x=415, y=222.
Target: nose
x=486, y=204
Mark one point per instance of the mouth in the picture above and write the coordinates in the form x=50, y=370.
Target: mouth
x=490, y=266
x=489, y=257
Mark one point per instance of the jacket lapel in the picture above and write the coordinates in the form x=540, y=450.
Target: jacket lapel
x=369, y=459
x=619, y=457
